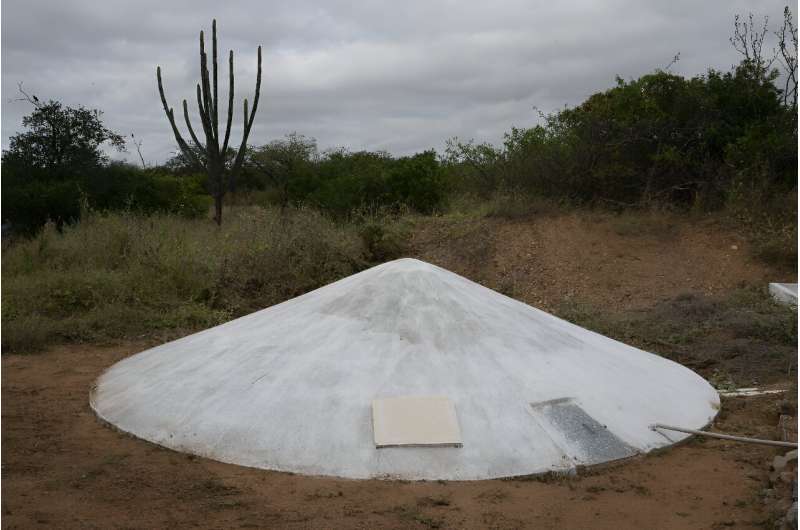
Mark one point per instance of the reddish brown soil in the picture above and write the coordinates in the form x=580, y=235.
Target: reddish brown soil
x=546, y=260
x=62, y=468
x=660, y=282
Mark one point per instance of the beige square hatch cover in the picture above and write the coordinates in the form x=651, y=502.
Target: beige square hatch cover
x=415, y=421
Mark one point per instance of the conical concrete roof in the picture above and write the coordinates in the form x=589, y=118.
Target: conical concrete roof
x=291, y=387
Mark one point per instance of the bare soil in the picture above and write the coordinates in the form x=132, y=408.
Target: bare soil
x=664, y=283
x=63, y=468
x=593, y=257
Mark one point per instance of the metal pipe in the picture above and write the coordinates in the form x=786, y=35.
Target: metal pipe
x=724, y=436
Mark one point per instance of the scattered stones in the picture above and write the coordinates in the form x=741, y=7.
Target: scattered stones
x=779, y=462
x=783, y=480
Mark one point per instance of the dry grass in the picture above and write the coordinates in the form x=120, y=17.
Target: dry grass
x=739, y=338
x=122, y=275
x=653, y=223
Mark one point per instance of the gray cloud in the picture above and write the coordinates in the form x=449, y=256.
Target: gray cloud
x=400, y=76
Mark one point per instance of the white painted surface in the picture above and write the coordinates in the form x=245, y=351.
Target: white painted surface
x=415, y=421
x=785, y=293
x=750, y=392
x=290, y=387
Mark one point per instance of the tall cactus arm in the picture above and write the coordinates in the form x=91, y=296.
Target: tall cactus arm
x=248, y=121
x=203, y=116
x=257, y=94
x=215, y=108
x=205, y=86
x=184, y=147
x=189, y=126
x=230, y=105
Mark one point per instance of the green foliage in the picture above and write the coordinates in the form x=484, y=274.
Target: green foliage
x=29, y=202
x=60, y=139
x=342, y=182
x=351, y=180
x=56, y=167
x=118, y=186
x=661, y=138
x=415, y=181
x=480, y=166
x=385, y=234
x=288, y=165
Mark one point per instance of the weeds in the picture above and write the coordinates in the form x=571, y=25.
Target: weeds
x=656, y=224
x=413, y=514
x=121, y=275
x=777, y=248
x=741, y=336
x=385, y=234
x=519, y=205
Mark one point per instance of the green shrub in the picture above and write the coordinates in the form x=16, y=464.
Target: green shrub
x=343, y=182
x=658, y=139
x=386, y=237
x=29, y=203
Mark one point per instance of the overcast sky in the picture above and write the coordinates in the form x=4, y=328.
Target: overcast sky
x=400, y=76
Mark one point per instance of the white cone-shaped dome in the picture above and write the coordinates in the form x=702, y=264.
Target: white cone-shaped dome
x=291, y=387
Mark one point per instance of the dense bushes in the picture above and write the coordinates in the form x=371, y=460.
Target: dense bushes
x=660, y=138
x=287, y=172
x=56, y=168
x=29, y=204
x=709, y=141
x=341, y=182
x=30, y=198
x=348, y=181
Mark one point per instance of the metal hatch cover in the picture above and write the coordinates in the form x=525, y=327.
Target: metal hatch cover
x=580, y=436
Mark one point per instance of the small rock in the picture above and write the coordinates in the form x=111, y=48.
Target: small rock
x=734, y=247
x=791, y=516
x=780, y=461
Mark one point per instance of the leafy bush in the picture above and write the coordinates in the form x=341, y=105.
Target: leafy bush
x=385, y=234
x=342, y=182
x=661, y=138
x=29, y=202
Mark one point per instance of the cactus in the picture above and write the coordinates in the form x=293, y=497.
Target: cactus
x=210, y=157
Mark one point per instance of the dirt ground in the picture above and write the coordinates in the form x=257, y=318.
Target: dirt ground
x=63, y=468
x=618, y=263
x=660, y=282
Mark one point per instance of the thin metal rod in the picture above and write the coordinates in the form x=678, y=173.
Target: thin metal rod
x=724, y=436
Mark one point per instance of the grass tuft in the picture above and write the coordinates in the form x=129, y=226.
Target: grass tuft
x=122, y=275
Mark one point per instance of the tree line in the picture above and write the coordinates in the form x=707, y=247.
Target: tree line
x=702, y=141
